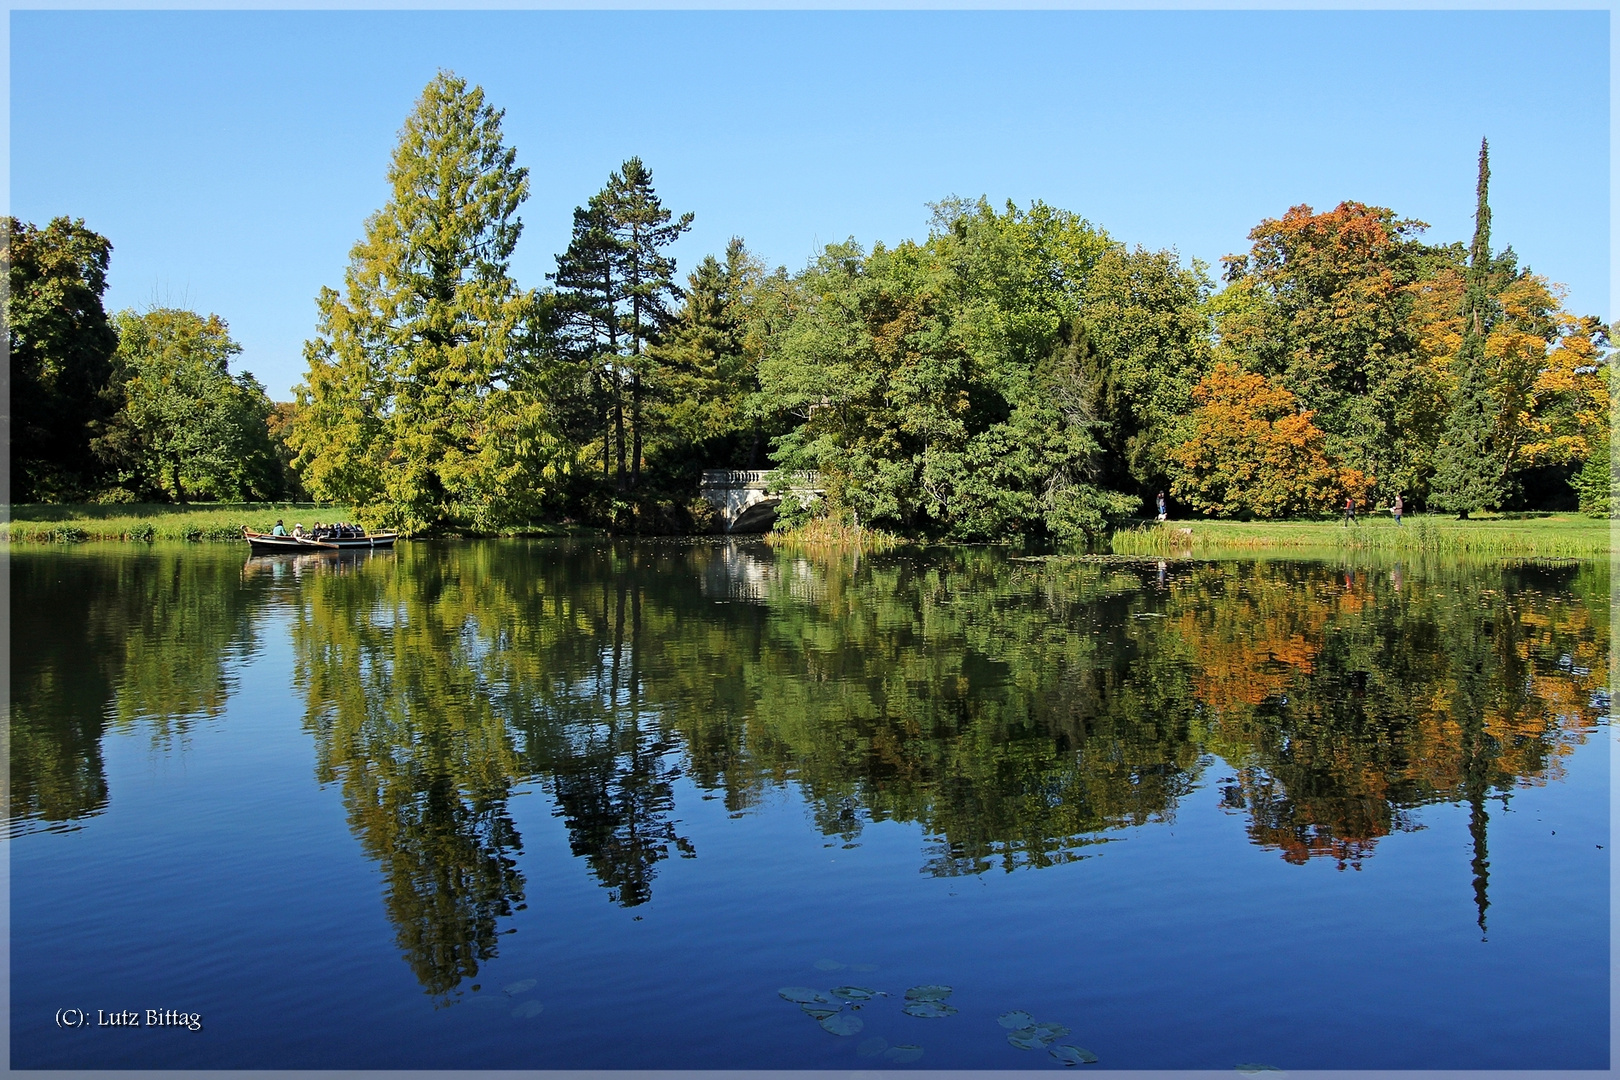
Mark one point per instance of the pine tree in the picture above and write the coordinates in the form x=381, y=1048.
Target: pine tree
x=419, y=404
x=1470, y=472
x=588, y=290
x=706, y=373
x=644, y=229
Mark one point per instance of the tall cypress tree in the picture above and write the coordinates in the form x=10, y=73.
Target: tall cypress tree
x=1470, y=472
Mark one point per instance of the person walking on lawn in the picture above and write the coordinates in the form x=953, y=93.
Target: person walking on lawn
x=1349, y=510
x=1396, y=507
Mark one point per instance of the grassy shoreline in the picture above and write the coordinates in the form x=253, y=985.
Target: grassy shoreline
x=1541, y=536
x=147, y=522
x=1523, y=536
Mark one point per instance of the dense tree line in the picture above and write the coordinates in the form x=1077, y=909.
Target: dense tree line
x=1017, y=373
x=140, y=405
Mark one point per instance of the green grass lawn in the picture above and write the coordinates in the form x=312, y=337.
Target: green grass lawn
x=1492, y=536
x=74, y=522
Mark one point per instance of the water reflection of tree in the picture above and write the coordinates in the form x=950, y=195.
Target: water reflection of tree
x=133, y=640
x=1370, y=694
x=612, y=774
x=1016, y=712
x=404, y=720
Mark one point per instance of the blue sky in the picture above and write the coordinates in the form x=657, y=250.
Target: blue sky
x=232, y=157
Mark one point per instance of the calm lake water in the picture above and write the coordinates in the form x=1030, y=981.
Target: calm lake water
x=565, y=805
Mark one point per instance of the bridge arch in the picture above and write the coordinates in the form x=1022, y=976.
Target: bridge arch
x=743, y=499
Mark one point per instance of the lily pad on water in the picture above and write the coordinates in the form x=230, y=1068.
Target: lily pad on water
x=829, y=965
x=821, y=1012
x=1025, y=1039
x=930, y=992
x=928, y=1010
x=519, y=987
x=855, y=993
x=842, y=1024
x=802, y=994
x=1018, y=1019
x=904, y=1053
x=1074, y=1055
x=872, y=1047
x=1049, y=1032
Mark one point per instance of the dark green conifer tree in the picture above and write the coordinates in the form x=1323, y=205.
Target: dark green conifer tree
x=644, y=229
x=706, y=375
x=588, y=292
x=1469, y=470
x=616, y=287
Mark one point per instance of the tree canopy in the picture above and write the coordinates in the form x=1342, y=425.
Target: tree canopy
x=419, y=406
x=187, y=428
x=1018, y=372
x=61, y=345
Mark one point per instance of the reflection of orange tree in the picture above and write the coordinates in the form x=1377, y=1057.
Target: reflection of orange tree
x=1344, y=705
x=1013, y=712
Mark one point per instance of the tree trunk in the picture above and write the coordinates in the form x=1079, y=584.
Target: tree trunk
x=635, y=374
x=635, y=430
x=607, y=438
x=618, y=430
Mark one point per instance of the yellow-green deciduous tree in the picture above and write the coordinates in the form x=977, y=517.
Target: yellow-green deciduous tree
x=187, y=427
x=422, y=405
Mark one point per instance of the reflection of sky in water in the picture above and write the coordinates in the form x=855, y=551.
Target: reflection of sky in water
x=1293, y=815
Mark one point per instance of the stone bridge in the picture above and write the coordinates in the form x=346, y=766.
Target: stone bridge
x=743, y=500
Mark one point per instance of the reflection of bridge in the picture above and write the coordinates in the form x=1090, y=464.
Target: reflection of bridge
x=745, y=499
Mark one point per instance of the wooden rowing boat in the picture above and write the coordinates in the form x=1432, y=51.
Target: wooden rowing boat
x=266, y=544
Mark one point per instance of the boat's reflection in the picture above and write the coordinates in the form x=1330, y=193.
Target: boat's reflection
x=294, y=565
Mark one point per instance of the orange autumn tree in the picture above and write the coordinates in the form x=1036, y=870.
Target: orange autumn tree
x=1322, y=303
x=1252, y=452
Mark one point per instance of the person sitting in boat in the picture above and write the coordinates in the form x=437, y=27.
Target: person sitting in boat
x=298, y=528
x=279, y=530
